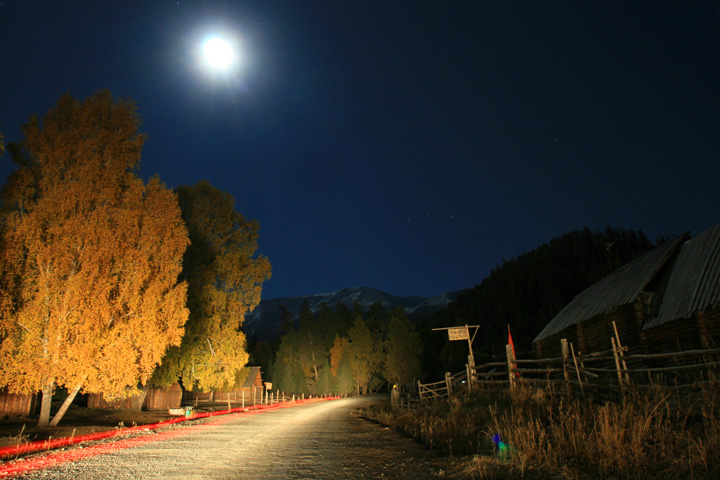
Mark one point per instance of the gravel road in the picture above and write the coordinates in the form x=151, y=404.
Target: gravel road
x=322, y=440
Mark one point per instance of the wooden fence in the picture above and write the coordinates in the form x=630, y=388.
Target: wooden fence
x=14, y=404
x=164, y=398
x=452, y=383
x=599, y=373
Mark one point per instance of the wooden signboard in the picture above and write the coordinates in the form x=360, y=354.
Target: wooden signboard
x=457, y=333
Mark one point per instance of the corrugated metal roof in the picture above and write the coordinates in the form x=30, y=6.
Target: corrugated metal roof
x=619, y=288
x=694, y=282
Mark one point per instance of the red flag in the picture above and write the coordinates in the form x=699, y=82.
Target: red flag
x=510, y=341
x=512, y=346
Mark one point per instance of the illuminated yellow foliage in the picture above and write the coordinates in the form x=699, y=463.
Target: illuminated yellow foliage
x=336, y=354
x=224, y=283
x=90, y=255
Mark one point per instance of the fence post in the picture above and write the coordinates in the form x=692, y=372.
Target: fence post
x=620, y=351
x=420, y=390
x=469, y=378
x=243, y=399
x=448, y=383
x=510, y=362
x=565, y=359
x=617, y=362
x=471, y=370
x=395, y=397
x=577, y=370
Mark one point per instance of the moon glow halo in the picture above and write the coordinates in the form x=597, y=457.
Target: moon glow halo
x=218, y=53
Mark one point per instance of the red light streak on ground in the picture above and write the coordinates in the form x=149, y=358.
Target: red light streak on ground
x=53, y=459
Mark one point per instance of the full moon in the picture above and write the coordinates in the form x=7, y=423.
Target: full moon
x=218, y=53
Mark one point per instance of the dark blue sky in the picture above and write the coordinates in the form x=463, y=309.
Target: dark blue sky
x=408, y=146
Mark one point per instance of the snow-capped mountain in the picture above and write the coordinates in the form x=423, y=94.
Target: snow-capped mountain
x=265, y=320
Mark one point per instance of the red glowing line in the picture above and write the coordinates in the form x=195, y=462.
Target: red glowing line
x=73, y=455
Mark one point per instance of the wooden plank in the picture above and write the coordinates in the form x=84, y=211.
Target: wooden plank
x=15, y=404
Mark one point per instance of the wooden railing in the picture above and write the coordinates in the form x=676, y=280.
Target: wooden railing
x=607, y=372
x=435, y=390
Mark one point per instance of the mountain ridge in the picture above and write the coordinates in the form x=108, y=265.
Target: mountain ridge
x=264, y=321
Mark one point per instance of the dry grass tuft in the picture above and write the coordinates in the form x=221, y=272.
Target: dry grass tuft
x=648, y=433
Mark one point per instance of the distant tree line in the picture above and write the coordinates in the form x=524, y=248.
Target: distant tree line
x=342, y=351
x=104, y=277
x=525, y=293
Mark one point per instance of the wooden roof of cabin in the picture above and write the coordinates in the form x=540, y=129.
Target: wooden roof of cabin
x=694, y=282
x=252, y=375
x=619, y=288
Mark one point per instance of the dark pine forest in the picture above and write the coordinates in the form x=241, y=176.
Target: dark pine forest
x=525, y=293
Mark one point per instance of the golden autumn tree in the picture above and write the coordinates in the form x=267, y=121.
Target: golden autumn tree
x=90, y=257
x=224, y=283
x=337, y=351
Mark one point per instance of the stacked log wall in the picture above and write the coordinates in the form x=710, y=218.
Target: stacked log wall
x=709, y=326
x=700, y=330
x=597, y=332
x=550, y=347
x=594, y=335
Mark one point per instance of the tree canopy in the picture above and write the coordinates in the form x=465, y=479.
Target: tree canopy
x=90, y=256
x=224, y=283
x=402, y=351
x=364, y=354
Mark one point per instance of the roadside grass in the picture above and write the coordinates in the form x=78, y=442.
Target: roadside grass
x=648, y=433
x=22, y=438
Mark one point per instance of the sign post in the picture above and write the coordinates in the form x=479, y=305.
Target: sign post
x=463, y=333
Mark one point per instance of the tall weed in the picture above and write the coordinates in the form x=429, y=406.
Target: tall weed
x=649, y=433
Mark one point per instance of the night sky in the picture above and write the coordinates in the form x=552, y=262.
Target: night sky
x=407, y=146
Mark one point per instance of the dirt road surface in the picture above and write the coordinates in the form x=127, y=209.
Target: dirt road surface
x=323, y=440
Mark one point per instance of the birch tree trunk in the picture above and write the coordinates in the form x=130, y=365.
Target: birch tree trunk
x=47, y=394
x=66, y=404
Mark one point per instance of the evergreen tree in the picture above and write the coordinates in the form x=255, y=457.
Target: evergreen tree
x=364, y=354
x=402, y=351
x=285, y=361
x=262, y=356
x=344, y=377
x=310, y=345
x=325, y=380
